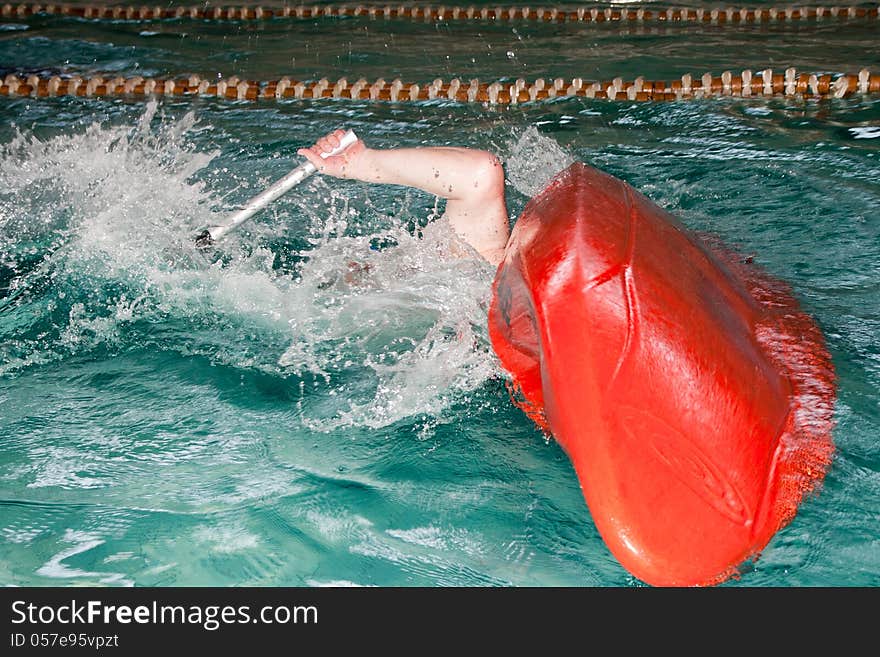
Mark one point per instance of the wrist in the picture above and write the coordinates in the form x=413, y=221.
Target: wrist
x=360, y=165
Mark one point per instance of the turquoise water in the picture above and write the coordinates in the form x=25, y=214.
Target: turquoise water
x=263, y=420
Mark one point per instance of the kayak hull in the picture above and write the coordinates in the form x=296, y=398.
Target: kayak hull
x=692, y=394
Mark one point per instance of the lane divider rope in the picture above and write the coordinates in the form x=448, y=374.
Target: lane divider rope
x=766, y=83
x=428, y=13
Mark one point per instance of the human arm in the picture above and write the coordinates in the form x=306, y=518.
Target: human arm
x=471, y=180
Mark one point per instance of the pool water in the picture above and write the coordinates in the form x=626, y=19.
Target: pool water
x=268, y=416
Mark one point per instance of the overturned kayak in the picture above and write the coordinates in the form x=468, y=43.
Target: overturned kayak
x=692, y=394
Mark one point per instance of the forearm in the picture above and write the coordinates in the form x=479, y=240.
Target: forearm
x=451, y=173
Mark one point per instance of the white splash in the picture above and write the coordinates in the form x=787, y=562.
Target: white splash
x=379, y=335
x=866, y=132
x=406, y=325
x=533, y=160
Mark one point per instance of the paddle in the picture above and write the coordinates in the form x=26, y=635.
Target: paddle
x=214, y=234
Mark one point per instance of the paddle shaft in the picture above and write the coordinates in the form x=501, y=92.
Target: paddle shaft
x=264, y=198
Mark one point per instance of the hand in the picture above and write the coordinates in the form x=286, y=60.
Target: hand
x=340, y=166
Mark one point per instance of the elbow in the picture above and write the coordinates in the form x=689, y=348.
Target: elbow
x=488, y=176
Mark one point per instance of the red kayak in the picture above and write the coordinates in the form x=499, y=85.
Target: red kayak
x=692, y=394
